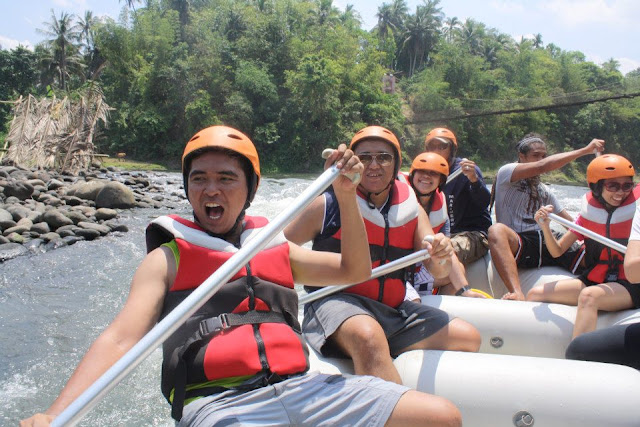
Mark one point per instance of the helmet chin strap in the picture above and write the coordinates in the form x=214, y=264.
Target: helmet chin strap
x=429, y=194
x=369, y=194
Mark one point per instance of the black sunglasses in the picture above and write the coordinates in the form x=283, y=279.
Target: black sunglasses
x=616, y=186
x=437, y=145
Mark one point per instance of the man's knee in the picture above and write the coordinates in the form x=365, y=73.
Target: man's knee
x=500, y=235
x=466, y=335
x=421, y=409
x=362, y=337
x=497, y=232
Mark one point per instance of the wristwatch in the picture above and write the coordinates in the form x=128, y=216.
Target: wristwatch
x=462, y=290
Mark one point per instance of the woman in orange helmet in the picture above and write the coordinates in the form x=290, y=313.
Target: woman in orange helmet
x=427, y=177
x=608, y=209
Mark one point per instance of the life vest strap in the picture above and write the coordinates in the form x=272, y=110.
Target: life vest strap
x=213, y=325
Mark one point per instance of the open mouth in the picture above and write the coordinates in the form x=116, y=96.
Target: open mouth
x=213, y=210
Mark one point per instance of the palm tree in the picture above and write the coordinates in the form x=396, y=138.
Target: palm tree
x=85, y=25
x=612, y=65
x=350, y=16
x=421, y=33
x=451, y=25
x=399, y=11
x=63, y=48
x=537, y=41
x=326, y=12
x=472, y=33
x=385, y=24
x=130, y=3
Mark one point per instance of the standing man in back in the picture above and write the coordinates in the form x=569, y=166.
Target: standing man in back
x=467, y=198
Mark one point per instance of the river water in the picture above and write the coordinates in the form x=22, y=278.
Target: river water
x=53, y=305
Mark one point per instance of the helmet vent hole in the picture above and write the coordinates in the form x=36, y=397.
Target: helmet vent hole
x=234, y=136
x=609, y=168
x=194, y=138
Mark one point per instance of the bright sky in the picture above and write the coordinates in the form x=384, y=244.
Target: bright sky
x=601, y=29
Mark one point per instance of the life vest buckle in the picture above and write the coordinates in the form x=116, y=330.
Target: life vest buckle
x=214, y=325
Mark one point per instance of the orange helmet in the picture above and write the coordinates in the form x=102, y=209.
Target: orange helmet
x=227, y=138
x=378, y=132
x=608, y=166
x=430, y=162
x=441, y=133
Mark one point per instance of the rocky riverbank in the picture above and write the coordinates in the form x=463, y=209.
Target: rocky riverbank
x=43, y=210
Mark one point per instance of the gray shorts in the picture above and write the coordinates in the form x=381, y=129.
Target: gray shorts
x=308, y=400
x=403, y=326
x=470, y=245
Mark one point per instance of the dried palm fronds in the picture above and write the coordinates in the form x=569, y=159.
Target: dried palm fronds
x=57, y=133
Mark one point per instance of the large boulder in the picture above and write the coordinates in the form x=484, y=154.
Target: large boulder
x=86, y=190
x=115, y=195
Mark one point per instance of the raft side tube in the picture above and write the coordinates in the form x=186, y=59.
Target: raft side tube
x=494, y=390
x=523, y=328
x=501, y=390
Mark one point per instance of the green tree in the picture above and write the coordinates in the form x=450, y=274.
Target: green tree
x=63, y=59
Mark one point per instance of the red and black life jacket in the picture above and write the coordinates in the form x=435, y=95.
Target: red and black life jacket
x=603, y=263
x=390, y=232
x=249, y=328
x=438, y=215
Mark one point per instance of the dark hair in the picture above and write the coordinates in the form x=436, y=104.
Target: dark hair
x=427, y=209
x=596, y=190
x=523, y=147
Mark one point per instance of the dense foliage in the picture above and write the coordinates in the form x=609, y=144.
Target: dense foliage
x=300, y=75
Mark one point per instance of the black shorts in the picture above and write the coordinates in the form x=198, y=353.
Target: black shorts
x=633, y=289
x=533, y=253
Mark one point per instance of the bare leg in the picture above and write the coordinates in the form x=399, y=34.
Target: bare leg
x=561, y=292
x=503, y=245
x=607, y=297
x=420, y=409
x=458, y=335
x=361, y=337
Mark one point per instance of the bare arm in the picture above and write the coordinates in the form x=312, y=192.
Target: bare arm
x=632, y=261
x=306, y=226
x=555, y=247
x=139, y=314
x=439, y=264
x=353, y=264
x=555, y=161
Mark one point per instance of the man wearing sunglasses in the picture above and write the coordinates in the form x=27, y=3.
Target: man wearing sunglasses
x=371, y=322
x=467, y=198
x=516, y=240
